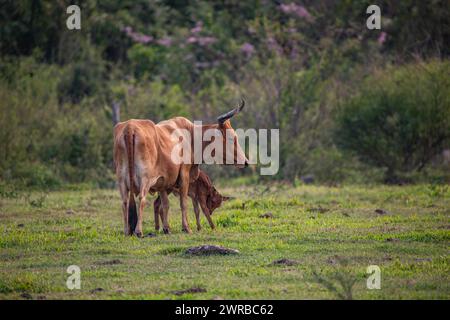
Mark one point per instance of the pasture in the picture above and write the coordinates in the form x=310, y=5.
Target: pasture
x=331, y=234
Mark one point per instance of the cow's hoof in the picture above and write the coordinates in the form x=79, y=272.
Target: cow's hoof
x=187, y=230
x=166, y=230
x=199, y=228
x=138, y=234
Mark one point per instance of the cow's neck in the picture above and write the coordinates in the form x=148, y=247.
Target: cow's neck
x=199, y=148
x=206, y=127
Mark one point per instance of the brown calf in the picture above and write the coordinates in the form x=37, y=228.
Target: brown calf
x=202, y=193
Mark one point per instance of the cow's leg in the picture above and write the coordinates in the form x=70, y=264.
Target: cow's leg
x=207, y=214
x=197, y=214
x=142, y=201
x=146, y=184
x=124, y=195
x=184, y=188
x=165, y=208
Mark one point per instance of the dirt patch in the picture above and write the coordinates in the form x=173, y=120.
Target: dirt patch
x=333, y=260
x=26, y=295
x=210, y=250
x=70, y=211
x=20, y=225
x=190, y=290
x=96, y=290
x=110, y=262
x=284, y=262
x=267, y=215
x=392, y=240
x=338, y=260
x=318, y=209
x=381, y=211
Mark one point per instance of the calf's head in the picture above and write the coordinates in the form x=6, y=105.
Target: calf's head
x=214, y=200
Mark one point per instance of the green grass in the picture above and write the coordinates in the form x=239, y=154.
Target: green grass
x=333, y=233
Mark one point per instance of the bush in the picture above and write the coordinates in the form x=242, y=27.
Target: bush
x=400, y=119
x=145, y=61
x=36, y=175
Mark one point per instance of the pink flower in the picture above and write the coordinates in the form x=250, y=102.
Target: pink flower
x=137, y=37
x=273, y=45
x=142, y=38
x=191, y=40
x=248, y=49
x=382, y=38
x=198, y=27
x=166, y=42
x=202, y=41
x=205, y=41
x=295, y=9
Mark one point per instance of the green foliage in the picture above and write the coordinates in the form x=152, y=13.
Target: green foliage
x=195, y=59
x=145, y=60
x=83, y=78
x=400, y=119
x=36, y=175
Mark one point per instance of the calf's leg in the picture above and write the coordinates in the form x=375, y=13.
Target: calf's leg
x=165, y=208
x=206, y=213
x=157, y=210
x=197, y=214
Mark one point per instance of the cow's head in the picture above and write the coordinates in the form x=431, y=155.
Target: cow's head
x=230, y=141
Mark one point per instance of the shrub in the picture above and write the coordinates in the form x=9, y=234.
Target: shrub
x=400, y=119
x=36, y=175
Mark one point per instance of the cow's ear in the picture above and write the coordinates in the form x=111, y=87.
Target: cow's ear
x=194, y=173
x=224, y=198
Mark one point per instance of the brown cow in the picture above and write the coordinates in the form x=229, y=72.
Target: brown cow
x=202, y=193
x=143, y=162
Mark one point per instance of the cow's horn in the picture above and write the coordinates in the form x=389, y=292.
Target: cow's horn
x=230, y=114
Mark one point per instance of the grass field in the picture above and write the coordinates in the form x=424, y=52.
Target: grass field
x=333, y=234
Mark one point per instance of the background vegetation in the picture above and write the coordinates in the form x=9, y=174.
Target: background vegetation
x=352, y=104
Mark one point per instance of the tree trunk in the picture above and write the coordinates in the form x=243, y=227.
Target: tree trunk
x=115, y=112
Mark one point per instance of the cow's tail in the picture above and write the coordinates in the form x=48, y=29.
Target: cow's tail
x=132, y=211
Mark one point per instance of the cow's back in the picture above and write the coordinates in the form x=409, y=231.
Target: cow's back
x=153, y=145
x=144, y=133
